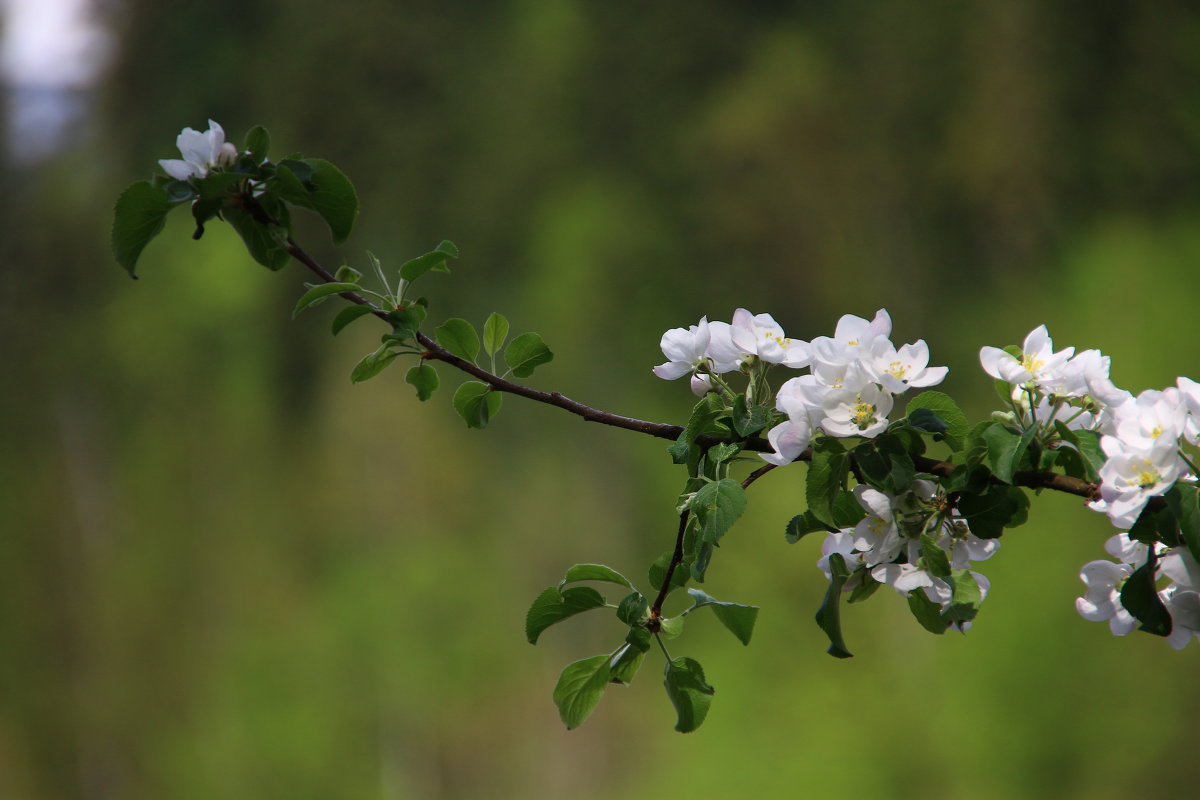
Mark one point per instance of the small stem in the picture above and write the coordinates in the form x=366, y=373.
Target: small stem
x=676, y=560
x=662, y=646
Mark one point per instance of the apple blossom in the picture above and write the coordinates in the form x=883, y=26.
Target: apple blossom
x=760, y=335
x=1038, y=362
x=685, y=350
x=201, y=152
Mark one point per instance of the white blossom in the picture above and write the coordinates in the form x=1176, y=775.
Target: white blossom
x=201, y=152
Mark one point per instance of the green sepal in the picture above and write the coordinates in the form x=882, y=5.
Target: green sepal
x=689, y=692
x=476, y=403
x=738, y=618
x=348, y=315
x=580, y=687
x=433, y=260
x=525, y=353
x=553, y=606
x=139, y=216
x=459, y=337
x=319, y=292
x=829, y=615
x=424, y=379
x=945, y=411
x=318, y=185
x=495, y=331
x=258, y=143
x=372, y=364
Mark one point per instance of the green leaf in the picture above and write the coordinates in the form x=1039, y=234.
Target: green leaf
x=424, y=379
x=553, y=606
x=263, y=241
x=594, y=572
x=495, y=331
x=316, y=184
x=965, y=598
x=847, y=511
x=258, y=143
x=671, y=627
x=829, y=615
x=633, y=609
x=639, y=637
x=320, y=292
x=885, y=464
x=138, y=217
x=347, y=274
x=405, y=322
x=348, y=315
x=866, y=587
x=717, y=505
x=927, y=612
x=476, y=403
x=934, y=559
x=1184, y=502
x=826, y=477
x=801, y=525
x=658, y=572
x=525, y=353
x=946, y=411
x=580, y=687
x=689, y=692
x=179, y=192
x=373, y=364
x=1088, y=457
x=434, y=260
x=1140, y=598
x=748, y=421
x=626, y=664
x=738, y=618
x=459, y=337
x=1005, y=449
x=997, y=508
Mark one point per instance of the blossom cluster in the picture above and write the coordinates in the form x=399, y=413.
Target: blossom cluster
x=853, y=375
x=885, y=546
x=1181, y=597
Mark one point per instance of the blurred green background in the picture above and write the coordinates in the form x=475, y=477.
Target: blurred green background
x=227, y=572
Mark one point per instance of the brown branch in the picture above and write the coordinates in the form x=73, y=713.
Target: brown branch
x=653, y=625
x=434, y=351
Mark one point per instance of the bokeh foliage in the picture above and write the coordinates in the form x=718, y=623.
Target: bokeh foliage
x=226, y=572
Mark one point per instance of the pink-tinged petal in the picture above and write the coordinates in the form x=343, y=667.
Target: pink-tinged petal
x=881, y=325
x=742, y=332
x=701, y=385
x=179, y=170
x=789, y=440
x=672, y=370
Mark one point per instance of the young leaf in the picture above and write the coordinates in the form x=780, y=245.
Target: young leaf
x=885, y=464
x=476, y=403
x=626, y=664
x=933, y=558
x=348, y=315
x=965, y=598
x=372, y=364
x=525, y=353
x=138, y=217
x=552, y=606
x=580, y=687
x=738, y=618
x=424, y=378
x=826, y=477
x=717, y=505
x=803, y=524
x=316, y=184
x=1184, y=502
x=1005, y=449
x=633, y=609
x=320, y=292
x=829, y=615
x=672, y=627
x=1140, y=598
x=263, y=241
x=689, y=692
x=495, y=331
x=927, y=612
x=258, y=143
x=749, y=420
x=946, y=411
x=658, y=572
x=433, y=260
x=594, y=572
x=459, y=337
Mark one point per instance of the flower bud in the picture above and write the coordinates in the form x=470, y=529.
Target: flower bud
x=227, y=155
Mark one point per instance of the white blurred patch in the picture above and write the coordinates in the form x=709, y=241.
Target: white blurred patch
x=51, y=53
